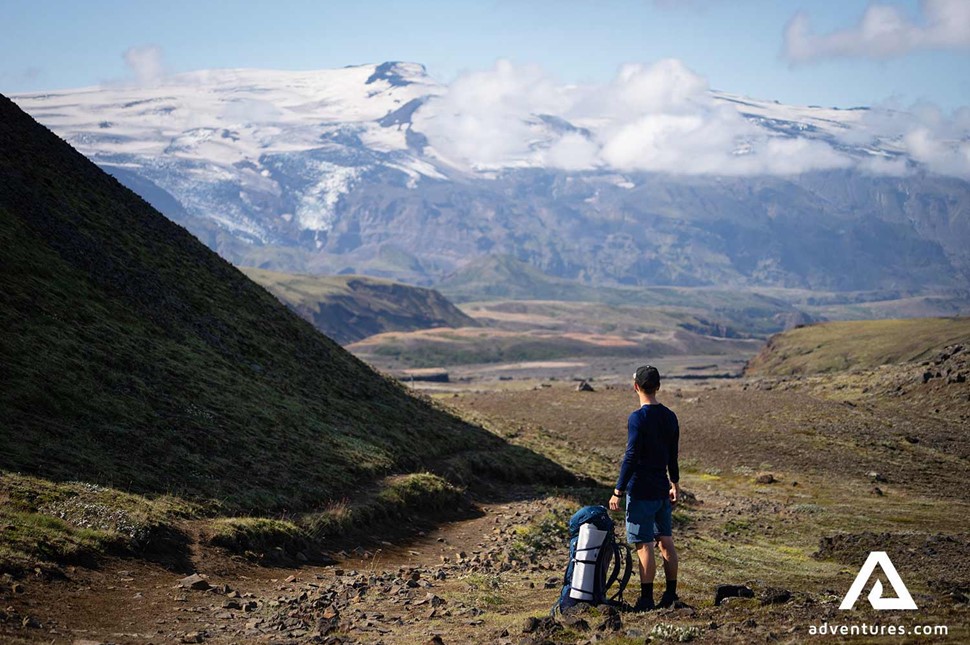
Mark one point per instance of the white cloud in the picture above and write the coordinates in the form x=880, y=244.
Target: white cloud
x=923, y=132
x=663, y=118
x=655, y=118
x=485, y=119
x=884, y=31
x=146, y=63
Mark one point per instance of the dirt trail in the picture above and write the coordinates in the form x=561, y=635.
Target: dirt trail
x=127, y=600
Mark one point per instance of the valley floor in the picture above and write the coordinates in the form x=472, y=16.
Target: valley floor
x=859, y=462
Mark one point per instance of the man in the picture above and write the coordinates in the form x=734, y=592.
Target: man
x=651, y=452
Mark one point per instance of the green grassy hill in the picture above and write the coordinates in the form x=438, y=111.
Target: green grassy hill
x=860, y=344
x=135, y=358
x=504, y=278
x=350, y=308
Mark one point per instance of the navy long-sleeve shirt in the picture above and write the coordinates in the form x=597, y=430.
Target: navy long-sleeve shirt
x=651, y=453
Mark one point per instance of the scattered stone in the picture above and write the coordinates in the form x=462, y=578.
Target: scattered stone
x=731, y=591
x=575, y=622
x=611, y=621
x=435, y=601
x=17, y=587
x=436, y=640
x=193, y=637
x=30, y=622
x=194, y=581
x=546, y=624
x=876, y=477
x=877, y=491
x=766, y=478
x=775, y=596
x=290, y=579
x=585, y=387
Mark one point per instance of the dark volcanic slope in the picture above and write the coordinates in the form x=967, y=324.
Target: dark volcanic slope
x=351, y=308
x=134, y=356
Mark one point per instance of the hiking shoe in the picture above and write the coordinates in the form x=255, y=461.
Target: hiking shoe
x=644, y=604
x=667, y=600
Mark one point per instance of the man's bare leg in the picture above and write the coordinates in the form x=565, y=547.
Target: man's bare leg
x=669, y=554
x=648, y=570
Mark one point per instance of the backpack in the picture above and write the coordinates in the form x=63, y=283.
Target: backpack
x=595, y=561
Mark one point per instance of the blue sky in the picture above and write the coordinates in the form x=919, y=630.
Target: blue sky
x=738, y=46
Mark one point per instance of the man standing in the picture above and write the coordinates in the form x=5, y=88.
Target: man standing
x=651, y=453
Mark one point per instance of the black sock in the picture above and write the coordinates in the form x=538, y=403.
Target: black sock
x=671, y=589
x=646, y=590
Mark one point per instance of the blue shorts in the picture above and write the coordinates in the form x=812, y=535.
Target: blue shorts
x=647, y=519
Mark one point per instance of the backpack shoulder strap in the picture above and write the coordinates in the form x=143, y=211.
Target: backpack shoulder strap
x=628, y=571
x=615, y=573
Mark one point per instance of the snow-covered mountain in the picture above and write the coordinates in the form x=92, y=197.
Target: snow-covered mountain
x=652, y=178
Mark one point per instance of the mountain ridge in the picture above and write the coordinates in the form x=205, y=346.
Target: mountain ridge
x=335, y=171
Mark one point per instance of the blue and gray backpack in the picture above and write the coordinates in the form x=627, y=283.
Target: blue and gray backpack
x=596, y=559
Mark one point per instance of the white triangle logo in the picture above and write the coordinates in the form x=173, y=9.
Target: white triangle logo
x=902, y=600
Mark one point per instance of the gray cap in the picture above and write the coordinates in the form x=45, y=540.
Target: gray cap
x=647, y=377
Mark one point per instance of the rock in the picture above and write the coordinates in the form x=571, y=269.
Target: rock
x=766, y=478
x=433, y=600
x=17, y=587
x=544, y=625
x=194, y=581
x=876, y=477
x=877, y=491
x=30, y=622
x=193, y=637
x=576, y=622
x=611, y=621
x=436, y=640
x=585, y=387
x=731, y=591
x=775, y=596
